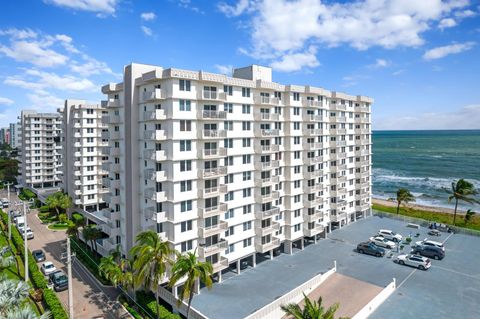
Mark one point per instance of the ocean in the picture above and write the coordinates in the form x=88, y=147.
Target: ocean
x=425, y=162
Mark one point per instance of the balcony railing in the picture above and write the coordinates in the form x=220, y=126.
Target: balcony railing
x=260, y=182
x=212, y=191
x=267, y=213
x=206, y=212
x=313, y=231
x=212, y=172
x=311, y=103
x=208, y=153
x=313, y=132
x=262, y=231
x=267, y=100
x=155, y=115
x=266, y=132
x=220, y=265
x=205, y=231
x=262, y=116
x=212, y=95
x=214, y=133
x=312, y=118
x=338, y=217
x=313, y=160
x=312, y=146
x=157, y=94
x=263, y=248
x=270, y=148
x=155, y=155
x=263, y=198
x=155, y=135
x=267, y=165
x=207, y=114
x=205, y=251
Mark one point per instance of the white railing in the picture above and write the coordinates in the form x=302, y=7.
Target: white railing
x=273, y=310
x=370, y=307
x=170, y=298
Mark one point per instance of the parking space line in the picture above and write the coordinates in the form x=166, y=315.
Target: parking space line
x=457, y=272
x=447, y=238
x=404, y=280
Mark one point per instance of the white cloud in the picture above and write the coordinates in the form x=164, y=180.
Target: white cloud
x=465, y=14
x=440, y=52
x=35, y=52
x=296, y=61
x=234, y=11
x=38, y=81
x=352, y=80
x=447, y=23
x=148, y=16
x=280, y=27
x=45, y=101
x=98, y=6
x=5, y=101
x=467, y=117
x=380, y=63
x=187, y=4
x=398, y=72
x=19, y=34
x=224, y=69
x=146, y=30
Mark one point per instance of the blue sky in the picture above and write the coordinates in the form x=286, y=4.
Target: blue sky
x=419, y=60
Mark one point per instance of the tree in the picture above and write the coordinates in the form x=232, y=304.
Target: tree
x=92, y=233
x=404, y=196
x=468, y=216
x=464, y=191
x=150, y=258
x=73, y=229
x=118, y=271
x=311, y=310
x=59, y=201
x=189, y=267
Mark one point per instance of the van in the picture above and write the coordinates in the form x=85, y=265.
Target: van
x=20, y=222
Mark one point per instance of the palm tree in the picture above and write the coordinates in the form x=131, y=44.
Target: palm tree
x=150, y=258
x=92, y=233
x=468, y=216
x=59, y=201
x=189, y=267
x=462, y=190
x=311, y=310
x=118, y=271
x=26, y=313
x=404, y=196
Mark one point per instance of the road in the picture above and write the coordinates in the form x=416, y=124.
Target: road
x=90, y=298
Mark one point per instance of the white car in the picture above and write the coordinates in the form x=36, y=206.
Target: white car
x=29, y=232
x=48, y=268
x=427, y=242
x=390, y=234
x=422, y=263
x=383, y=242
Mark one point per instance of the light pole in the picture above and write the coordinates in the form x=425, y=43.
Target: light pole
x=69, y=271
x=25, y=240
x=8, y=213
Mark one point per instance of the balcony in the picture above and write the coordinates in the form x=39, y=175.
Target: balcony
x=152, y=194
x=212, y=211
x=111, y=103
x=311, y=103
x=313, y=231
x=266, y=132
x=312, y=118
x=206, y=231
x=212, y=172
x=341, y=107
x=312, y=132
x=263, y=231
x=155, y=135
x=311, y=189
x=338, y=217
x=111, y=183
x=362, y=207
x=212, y=115
x=220, y=265
x=267, y=213
x=111, y=119
x=112, y=151
x=212, y=95
x=262, y=182
x=266, y=100
x=263, y=116
x=313, y=217
x=110, y=231
x=266, y=165
x=338, y=131
x=362, y=152
x=365, y=141
x=210, y=153
x=205, y=251
x=270, y=148
x=112, y=199
x=214, y=133
x=155, y=95
x=359, y=131
x=312, y=203
x=313, y=160
x=363, y=120
x=263, y=248
x=338, y=119
x=312, y=146
x=212, y=191
x=154, y=155
x=265, y=198
x=155, y=115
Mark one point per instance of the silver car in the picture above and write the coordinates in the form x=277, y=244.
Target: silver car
x=422, y=263
x=427, y=242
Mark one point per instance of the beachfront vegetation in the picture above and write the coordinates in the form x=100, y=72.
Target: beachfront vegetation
x=462, y=190
x=59, y=202
x=311, y=310
x=404, y=196
x=468, y=216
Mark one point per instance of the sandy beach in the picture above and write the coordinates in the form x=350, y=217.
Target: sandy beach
x=392, y=203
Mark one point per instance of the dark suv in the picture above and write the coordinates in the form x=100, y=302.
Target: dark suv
x=371, y=249
x=59, y=280
x=429, y=251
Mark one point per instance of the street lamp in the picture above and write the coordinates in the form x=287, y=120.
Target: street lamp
x=8, y=213
x=25, y=236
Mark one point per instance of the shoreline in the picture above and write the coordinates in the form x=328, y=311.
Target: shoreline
x=434, y=209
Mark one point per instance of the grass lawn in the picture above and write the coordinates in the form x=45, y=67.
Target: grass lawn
x=58, y=226
x=48, y=217
x=444, y=218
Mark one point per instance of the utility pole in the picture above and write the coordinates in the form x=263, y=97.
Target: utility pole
x=70, y=285
x=8, y=212
x=25, y=240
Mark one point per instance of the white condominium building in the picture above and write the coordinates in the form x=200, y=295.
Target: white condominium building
x=84, y=151
x=41, y=155
x=14, y=132
x=233, y=165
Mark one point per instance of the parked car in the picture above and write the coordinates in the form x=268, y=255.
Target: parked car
x=29, y=232
x=429, y=251
x=58, y=280
x=391, y=235
x=14, y=214
x=5, y=203
x=19, y=220
x=38, y=255
x=48, y=267
x=431, y=243
x=441, y=227
x=370, y=249
x=435, y=232
x=383, y=242
x=416, y=261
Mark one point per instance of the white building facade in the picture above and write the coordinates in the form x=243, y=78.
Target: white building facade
x=41, y=152
x=236, y=166
x=84, y=151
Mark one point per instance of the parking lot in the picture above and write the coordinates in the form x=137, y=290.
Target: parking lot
x=449, y=289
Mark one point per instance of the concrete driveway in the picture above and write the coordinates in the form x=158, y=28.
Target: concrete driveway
x=90, y=298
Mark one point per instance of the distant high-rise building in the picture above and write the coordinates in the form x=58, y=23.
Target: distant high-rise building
x=13, y=132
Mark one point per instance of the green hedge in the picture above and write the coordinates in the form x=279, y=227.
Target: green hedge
x=54, y=305
x=147, y=301
x=77, y=218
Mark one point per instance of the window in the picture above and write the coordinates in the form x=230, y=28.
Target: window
x=228, y=89
x=246, y=126
x=228, y=107
x=247, y=225
x=297, y=227
x=185, y=125
x=186, y=245
x=89, y=111
x=296, y=111
x=230, y=249
x=247, y=192
x=185, y=186
x=296, y=96
x=228, y=161
x=247, y=209
x=228, y=179
x=185, y=145
x=228, y=125
x=184, y=85
x=230, y=231
x=246, y=108
x=186, y=226
x=229, y=196
x=229, y=214
x=185, y=105
x=228, y=143
x=185, y=206
x=247, y=176
x=247, y=242
x=246, y=142
x=246, y=92
x=185, y=165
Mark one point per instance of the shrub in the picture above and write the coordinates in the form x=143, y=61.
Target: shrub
x=408, y=240
x=147, y=301
x=54, y=305
x=77, y=218
x=44, y=209
x=88, y=260
x=26, y=194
